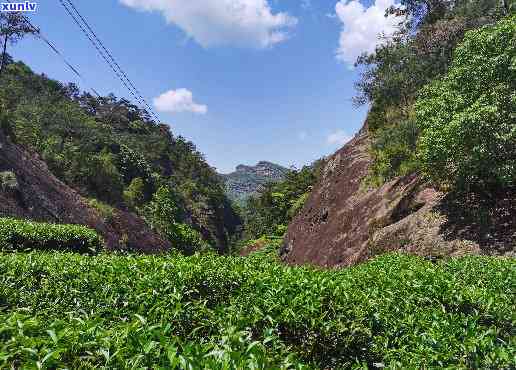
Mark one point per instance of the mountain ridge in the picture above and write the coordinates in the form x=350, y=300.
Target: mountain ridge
x=247, y=180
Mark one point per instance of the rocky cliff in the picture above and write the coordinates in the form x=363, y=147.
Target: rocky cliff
x=344, y=222
x=247, y=180
x=29, y=190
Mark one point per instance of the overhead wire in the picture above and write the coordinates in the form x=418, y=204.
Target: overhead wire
x=110, y=55
x=107, y=56
x=53, y=47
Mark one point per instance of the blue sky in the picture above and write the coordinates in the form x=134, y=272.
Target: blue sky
x=245, y=80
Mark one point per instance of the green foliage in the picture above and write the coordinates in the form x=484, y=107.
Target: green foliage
x=134, y=195
x=13, y=27
x=25, y=235
x=278, y=203
x=185, y=238
x=105, y=181
x=467, y=118
x=133, y=165
x=5, y=119
x=394, y=151
x=209, y=312
x=164, y=214
x=420, y=52
x=105, y=210
x=297, y=205
x=106, y=147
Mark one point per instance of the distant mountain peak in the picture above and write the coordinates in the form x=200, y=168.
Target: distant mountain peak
x=247, y=180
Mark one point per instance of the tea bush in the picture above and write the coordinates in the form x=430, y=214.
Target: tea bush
x=63, y=310
x=26, y=235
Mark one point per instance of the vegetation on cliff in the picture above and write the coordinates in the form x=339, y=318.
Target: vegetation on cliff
x=468, y=118
x=114, y=153
x=463, y=115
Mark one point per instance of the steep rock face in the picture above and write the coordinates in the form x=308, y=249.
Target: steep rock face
x=344, y=223
x=247, y=180
x=38, y=195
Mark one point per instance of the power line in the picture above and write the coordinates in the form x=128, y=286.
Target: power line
x=98, y=50
x=110, y=55
x=107, y=56
x=51, y=45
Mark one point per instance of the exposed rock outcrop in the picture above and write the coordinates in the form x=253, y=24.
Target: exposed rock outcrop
x=38, y=195
x=344, y=223
x=248, y=180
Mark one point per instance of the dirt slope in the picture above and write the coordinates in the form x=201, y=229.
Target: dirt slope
x=344, y=223
x=38, y=195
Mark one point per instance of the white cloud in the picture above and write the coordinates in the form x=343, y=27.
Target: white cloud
x=176, y=101
x=361, y=27
x=247, y=23
x=339, y=137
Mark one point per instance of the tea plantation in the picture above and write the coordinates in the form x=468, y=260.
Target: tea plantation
x=62, y=310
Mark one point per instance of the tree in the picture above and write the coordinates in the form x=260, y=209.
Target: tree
x=468, y=132
x=13, y=27
x=165, y=216
x=134, y=195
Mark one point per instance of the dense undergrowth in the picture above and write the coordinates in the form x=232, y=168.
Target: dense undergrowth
x=270, y=211
x=19, y=235
x=442, y=96
x=61, y=310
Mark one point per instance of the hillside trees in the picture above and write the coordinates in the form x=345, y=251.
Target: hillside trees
x=269, y=212
x=166, y=215
x=13, y=27
x=420, y=52
x=468, y=118
x=111, y=150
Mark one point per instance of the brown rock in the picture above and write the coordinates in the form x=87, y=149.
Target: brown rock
x=40, y=196
x=344, y=223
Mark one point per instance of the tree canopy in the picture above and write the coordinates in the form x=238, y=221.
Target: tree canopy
x=468, y=118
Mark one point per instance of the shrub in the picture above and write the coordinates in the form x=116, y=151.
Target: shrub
x=105, y=210
x=209, y=312
x=468, y=117
x=298, y=204
x=103, y=178
x=394, y=150
x=5, y=120
x=185, y=238
x=134, y=195
x=25, y=235
x=164, y=214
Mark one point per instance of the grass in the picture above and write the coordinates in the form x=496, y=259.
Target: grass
x=64, y=310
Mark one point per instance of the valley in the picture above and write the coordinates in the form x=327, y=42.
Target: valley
x=121, y=247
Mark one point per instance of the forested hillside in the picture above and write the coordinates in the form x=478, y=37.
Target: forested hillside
x=270, y=210
x=442, y=96
x=248, y=180
x=115, y=155
x=433, y=171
